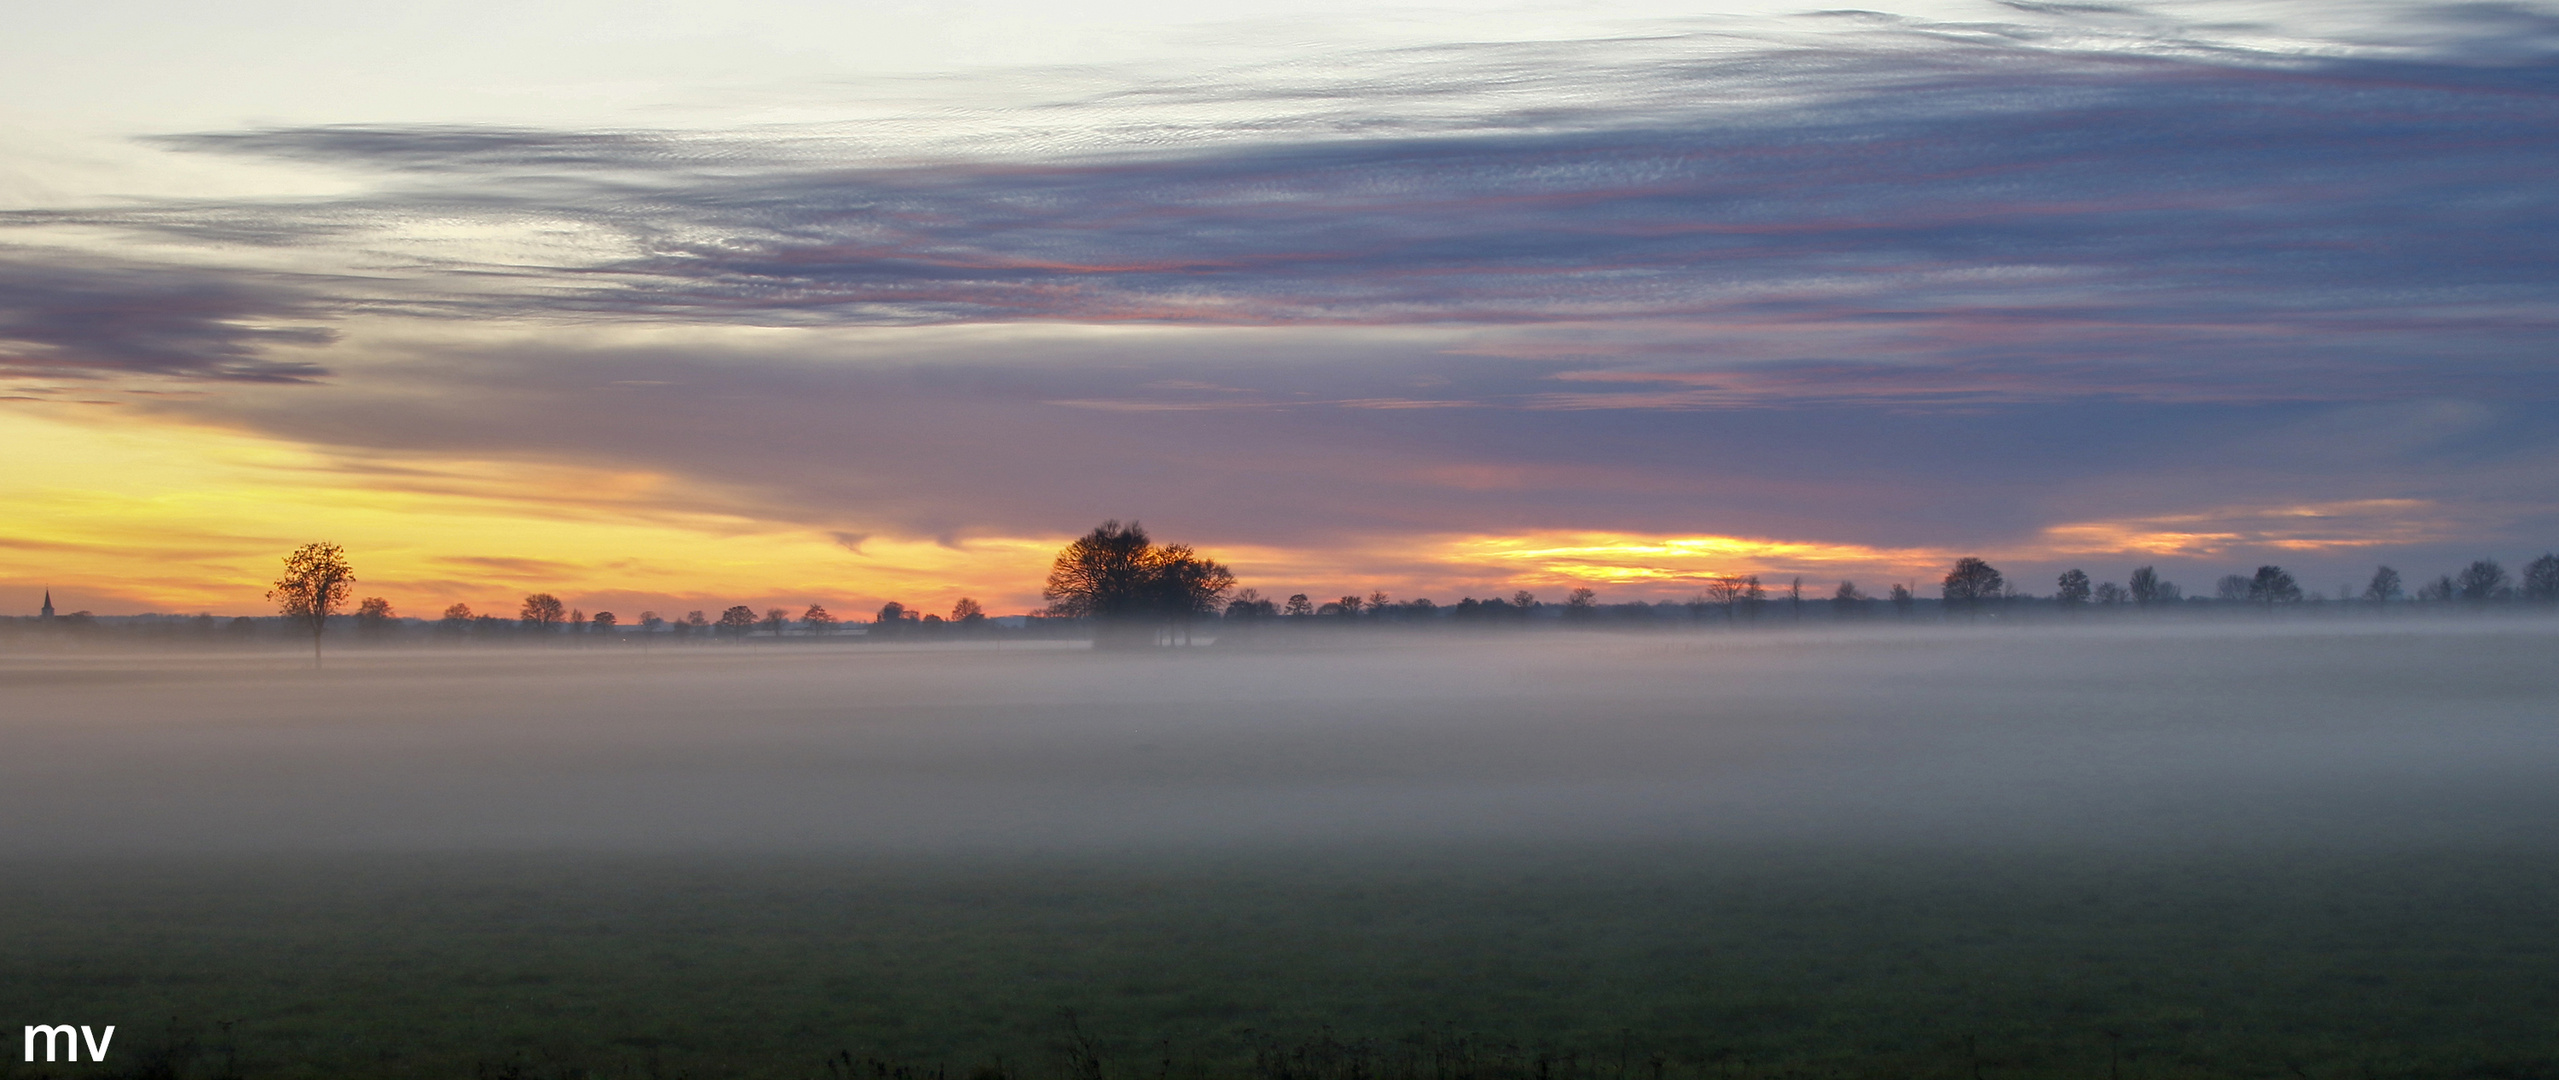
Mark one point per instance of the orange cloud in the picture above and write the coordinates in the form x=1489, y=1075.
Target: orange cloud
x=2310, y=527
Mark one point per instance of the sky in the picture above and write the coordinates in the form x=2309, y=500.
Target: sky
x=684, y=305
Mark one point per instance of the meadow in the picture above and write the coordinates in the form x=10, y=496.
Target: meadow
x=2135, y=852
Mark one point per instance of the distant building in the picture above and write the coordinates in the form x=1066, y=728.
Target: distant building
x=47, y=613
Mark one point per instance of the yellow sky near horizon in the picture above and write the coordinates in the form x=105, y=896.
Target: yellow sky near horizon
x=118, y=514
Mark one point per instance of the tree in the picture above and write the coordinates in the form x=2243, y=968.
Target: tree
x=2483, y=581
x=2072, y=589
x=2273, y=585
x=650, y=621
x=2232, y=587
x=819, y=620
x=316, y=582
x=541, y=612
x=2384, y=587
x=1752, y=596
x=1581, y=603
x=1904, y=600
x=1971, y=582
x=373, y=616
x=456, y=619
x=2111, y=594
x=967, y=612
x=1846, y=601
x=2440, y=589
x=1249, y=604
x=604, y=622
x=1299, y=606
x=737, y=621
x=2541, y=580
x=775, y=619
x=1795, y=599
x=1725, y=590
x=1117, y=576
x=2144, y=586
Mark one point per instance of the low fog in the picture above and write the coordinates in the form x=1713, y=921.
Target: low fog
x=2383, y=735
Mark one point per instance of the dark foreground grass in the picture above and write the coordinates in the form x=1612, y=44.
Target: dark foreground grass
x=1678, y=963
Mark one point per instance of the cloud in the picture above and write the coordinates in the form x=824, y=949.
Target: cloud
x=2079, y=200
x=68, y=317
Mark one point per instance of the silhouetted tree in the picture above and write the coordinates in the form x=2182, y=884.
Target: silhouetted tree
x=1971, y=582
x=968, y=613
x=1249, y=604
x=540, y=613
x=316, y=582
x=1725, y=590
x=604, y=622
x=649, y=622
x=373, y=616
x=2483, y=581
x=1118, y=577
x=819, y=620
x=456, y=619
x=2232, y=587
x=2273, y=585
x=1347, y=606
x=775, y=619
x=2111, y=594
x=1753, y=596
x=2541, y=580
x=2384, y=587
x=2072, y=587
x=737, y=621
x=2441, y=589
x=1903, y=600
x=2144, y=586
x=1580, y=604
x=1299, y=606
x=694, y=625
x=1846, y=601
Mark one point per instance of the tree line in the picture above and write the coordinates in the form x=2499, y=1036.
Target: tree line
x=1133, y=591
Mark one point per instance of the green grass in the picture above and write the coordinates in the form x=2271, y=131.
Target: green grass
x=1720, y=961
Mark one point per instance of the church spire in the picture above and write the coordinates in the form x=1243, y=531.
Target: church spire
x=48, y=604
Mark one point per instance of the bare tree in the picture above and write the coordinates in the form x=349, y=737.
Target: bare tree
x=540, y=613
x=1299, y=606
x=1904, y=599
x=1795, y=599
x=968, y=613
x=1581, y=603
x=776, y=620
x=316, y=582
x=737, y=621
x=2072, y=588
x=819, y=620
x=2232, y=587
x=2111, y=594
x=1726, y=591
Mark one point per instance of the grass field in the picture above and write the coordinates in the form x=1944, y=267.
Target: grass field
x=2344, y=872
x=1727, y=962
